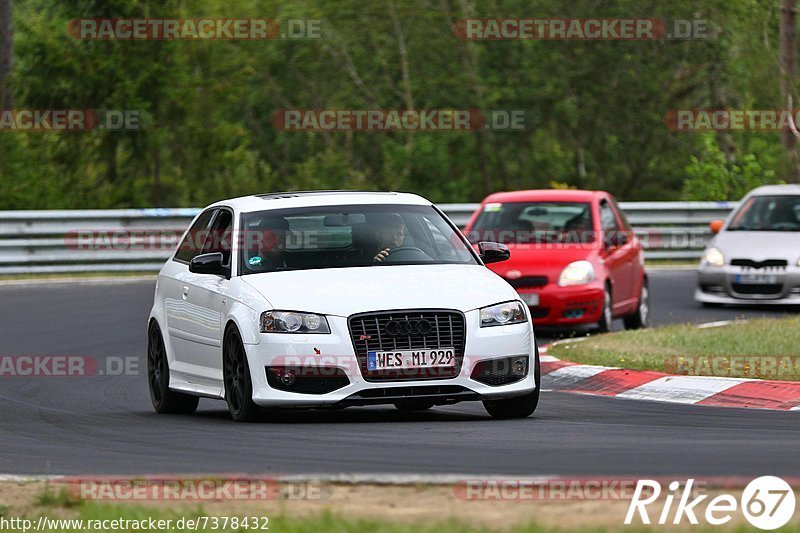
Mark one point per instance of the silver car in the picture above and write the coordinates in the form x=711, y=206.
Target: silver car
x=754, y=257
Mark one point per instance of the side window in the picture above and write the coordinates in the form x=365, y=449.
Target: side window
x=625, y=224
x=608, y=220
x=219, y=236
x=192, y=244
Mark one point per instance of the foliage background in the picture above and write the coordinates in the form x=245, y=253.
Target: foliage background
x=598, y=106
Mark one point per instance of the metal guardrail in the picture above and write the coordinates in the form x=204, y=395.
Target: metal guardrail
x=142, y=239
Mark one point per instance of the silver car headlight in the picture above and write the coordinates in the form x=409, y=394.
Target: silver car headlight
x=293, y=322
x=503, y=314
x=713, y=257
x=577, y=273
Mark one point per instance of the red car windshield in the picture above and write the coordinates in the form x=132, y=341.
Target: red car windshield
x=539, y=222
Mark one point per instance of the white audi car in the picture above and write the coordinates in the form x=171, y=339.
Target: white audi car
x=334, y=299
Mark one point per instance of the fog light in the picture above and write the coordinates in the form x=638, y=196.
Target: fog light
x=287, y=378
x=519, y=367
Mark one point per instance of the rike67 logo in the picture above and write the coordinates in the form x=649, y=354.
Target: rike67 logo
x=767, y=503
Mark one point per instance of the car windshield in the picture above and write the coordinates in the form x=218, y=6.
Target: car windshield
x=768, y=213
x=534, y=222
x=349, y=236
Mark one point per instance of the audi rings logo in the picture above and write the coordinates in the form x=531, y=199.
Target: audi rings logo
x=404, y=328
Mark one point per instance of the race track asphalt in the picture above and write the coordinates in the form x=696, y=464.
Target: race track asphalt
x=105, y=424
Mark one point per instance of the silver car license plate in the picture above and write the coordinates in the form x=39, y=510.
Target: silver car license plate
x=757, y=279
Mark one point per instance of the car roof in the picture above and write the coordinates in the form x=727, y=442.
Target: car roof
x=292, y=199
x=775, y=190
x=544, y=195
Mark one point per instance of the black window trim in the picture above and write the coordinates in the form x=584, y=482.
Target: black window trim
x=210, y=221
x=213, y=221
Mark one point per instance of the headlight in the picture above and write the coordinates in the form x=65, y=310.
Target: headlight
x=293, y=322
x=713, y=257
x=577, y=273
x=503, y=314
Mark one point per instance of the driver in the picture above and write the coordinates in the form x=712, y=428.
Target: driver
x=390, y=234
x=270, y=252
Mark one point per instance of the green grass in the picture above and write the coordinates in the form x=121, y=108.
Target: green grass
x=670, y=262
x=51, y=497
x=286, y=522
x=763, y=348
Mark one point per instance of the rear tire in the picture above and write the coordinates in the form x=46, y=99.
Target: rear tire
x=641, y=317
x=413, y=405
x=519, y=407
x=236, y=376
x=165, y=400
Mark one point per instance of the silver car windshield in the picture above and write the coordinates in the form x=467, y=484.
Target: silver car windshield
x=768, y=213
x=349, y=236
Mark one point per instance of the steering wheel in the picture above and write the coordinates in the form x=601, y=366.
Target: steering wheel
x=407, y=253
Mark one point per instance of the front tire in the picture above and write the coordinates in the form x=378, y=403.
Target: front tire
x=519, y=407
x=236, y=376
x=606, y=317
x=640, y=318
x=165, y=400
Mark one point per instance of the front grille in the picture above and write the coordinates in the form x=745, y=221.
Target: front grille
x=539, y=312
x=447, y=330
x=528, y=281
x=768, y=263
x=765, y=289
x=411, y=392
x=438, y=394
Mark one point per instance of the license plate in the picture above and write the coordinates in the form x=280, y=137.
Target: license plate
x=530, y=298
x=757, y=279
x=441, y=358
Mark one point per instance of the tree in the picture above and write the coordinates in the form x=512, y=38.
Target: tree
x=6, y=52
x=788, y=76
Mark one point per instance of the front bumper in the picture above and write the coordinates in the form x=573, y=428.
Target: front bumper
x=335, y=351
x=567, y=306
x=724, y=285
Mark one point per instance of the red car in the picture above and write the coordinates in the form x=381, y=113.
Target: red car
x=574, y=258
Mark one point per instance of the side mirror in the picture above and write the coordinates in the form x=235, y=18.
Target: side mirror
x=716, y=226
x=617, y=238
x=493, y=252
x=208, y=264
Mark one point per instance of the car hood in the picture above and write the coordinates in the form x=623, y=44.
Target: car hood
x=759, y=245
x=346, y=291
x=541, y=261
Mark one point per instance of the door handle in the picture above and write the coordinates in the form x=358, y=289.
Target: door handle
x=185, y=293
